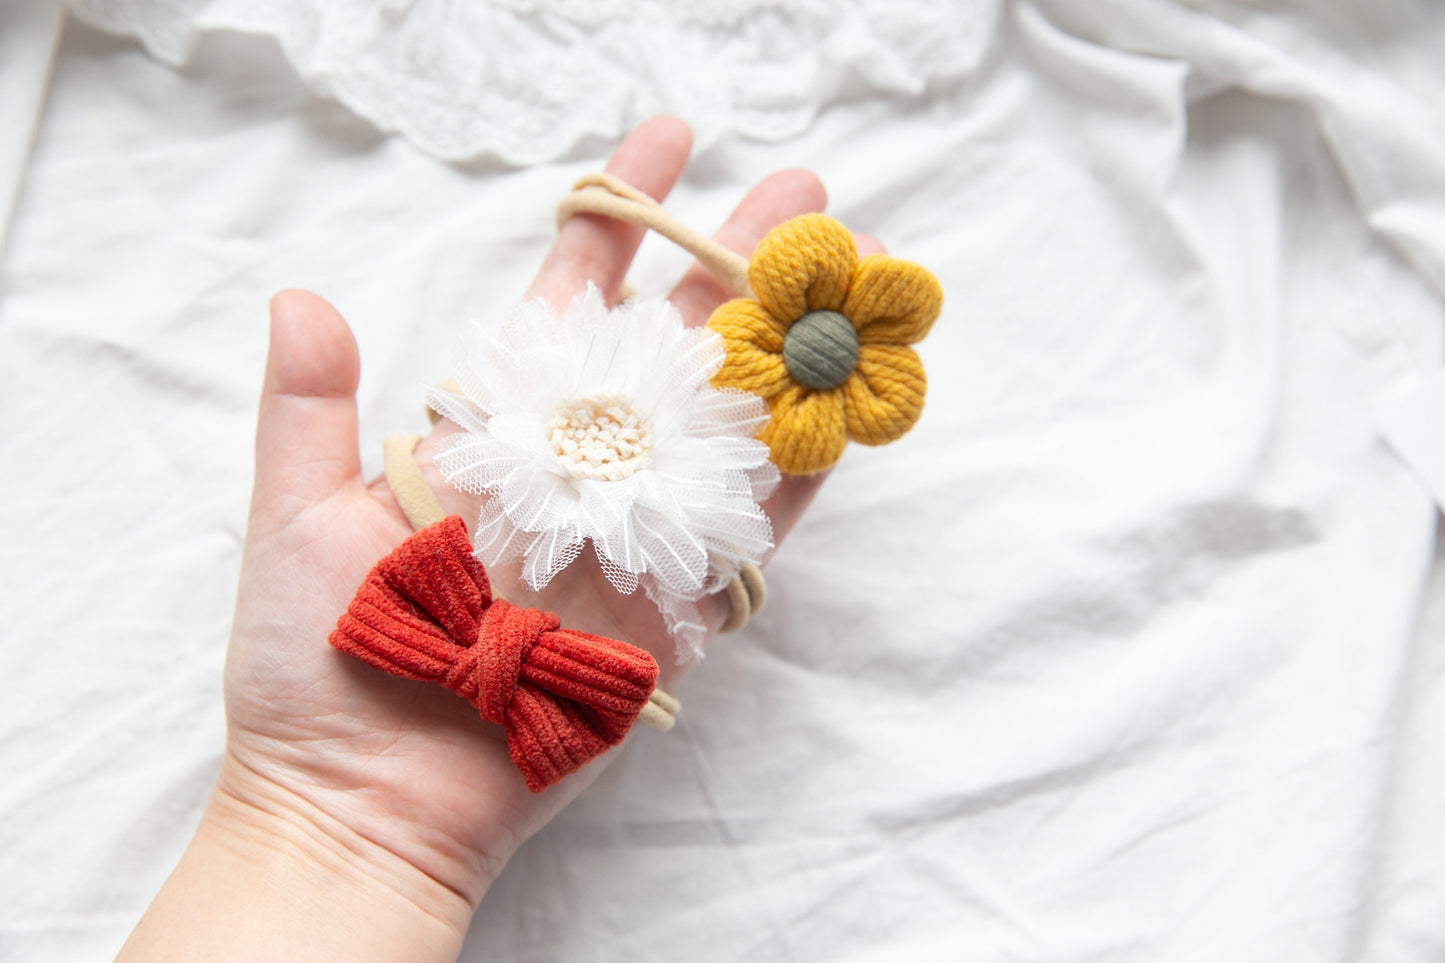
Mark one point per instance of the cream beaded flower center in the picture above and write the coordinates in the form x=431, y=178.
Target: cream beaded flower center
x=601, y=439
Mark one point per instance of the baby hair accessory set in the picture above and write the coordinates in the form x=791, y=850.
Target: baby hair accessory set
x=656, y=443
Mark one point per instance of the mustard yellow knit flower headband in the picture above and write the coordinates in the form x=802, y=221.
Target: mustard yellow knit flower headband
x=826, y=342
x=823, y=337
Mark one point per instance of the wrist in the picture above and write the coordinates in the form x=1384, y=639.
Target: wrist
x=270, y=876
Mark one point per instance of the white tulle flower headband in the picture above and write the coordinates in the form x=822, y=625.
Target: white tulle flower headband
x=601, y=425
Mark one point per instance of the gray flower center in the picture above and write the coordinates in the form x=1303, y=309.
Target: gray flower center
x=821, y=349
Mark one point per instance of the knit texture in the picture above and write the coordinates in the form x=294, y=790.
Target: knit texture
x=426, y=612
x=810, y=264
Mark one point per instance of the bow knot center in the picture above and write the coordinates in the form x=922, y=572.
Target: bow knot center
x=486, y=673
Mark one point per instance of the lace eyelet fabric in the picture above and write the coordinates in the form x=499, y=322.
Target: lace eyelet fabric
x=526, y=80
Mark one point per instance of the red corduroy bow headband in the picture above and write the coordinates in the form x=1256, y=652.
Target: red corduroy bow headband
x=426, y=612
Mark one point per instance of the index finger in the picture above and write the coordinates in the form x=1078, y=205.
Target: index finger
x=593, y=248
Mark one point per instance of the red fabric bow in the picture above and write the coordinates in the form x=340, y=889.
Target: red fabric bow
x=426, y=612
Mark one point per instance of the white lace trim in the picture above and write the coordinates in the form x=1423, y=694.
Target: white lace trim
x=526, y=80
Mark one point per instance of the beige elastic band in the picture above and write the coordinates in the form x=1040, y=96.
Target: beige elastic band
x=752, y=577
x=747, y=593
x=661, y=711
x=420, y=506
x=403, y=476
x=613, y=197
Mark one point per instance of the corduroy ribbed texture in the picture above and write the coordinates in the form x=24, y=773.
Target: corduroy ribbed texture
x=426, y=612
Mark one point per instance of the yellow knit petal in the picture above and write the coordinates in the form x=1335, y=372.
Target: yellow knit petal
x=804, y=264
x=884, y=396
x=807, y=431
x=750, y=368
x=892, y=301
x=746, y=320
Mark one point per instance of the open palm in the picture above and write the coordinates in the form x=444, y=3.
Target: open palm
x=407, y=766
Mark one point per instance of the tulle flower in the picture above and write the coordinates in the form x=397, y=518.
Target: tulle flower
x=602, y=426
x=826, y=342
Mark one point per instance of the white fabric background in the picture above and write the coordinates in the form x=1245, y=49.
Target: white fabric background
x=1132, y=650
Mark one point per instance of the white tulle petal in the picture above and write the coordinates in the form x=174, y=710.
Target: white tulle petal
x=735, y=453
x=699, y=357
x=740, y=529
x=538, y=501
x=605, y=515
x=553, y=551
x=497, y=540
x=457, y=408
x=684, y=620
x=728, y=412
x=525, y=433
x=675, y=556
x=477, y=464
x=622, y=579
x=764, y=481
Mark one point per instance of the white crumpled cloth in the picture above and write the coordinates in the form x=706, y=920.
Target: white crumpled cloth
x=1133, y=650
x=527, y=80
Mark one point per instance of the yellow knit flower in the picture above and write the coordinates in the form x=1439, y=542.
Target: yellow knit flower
x=826, y=343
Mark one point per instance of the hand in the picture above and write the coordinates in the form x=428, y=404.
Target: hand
x=397, y=786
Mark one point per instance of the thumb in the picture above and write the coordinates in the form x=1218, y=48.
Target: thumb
x=306, y=448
